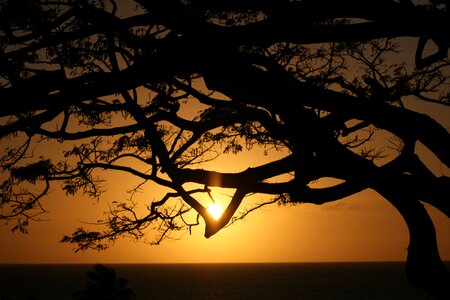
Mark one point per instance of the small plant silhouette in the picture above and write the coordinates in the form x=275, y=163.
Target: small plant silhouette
x=103, y=284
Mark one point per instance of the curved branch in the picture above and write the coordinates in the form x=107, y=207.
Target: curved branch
x=424, y=266
x=263, y=88
x=129, y=170
x=213, y=226
x=70, y=136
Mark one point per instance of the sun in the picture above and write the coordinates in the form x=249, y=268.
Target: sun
x=215, y=210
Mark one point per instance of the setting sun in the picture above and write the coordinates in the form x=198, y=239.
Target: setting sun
x=215, y=210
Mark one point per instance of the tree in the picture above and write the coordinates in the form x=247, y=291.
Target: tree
x=104, y=284
x=308, y=82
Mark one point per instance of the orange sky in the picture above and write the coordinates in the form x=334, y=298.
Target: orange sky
x=363, y=227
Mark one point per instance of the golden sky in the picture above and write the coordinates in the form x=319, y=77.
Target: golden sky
x=363, y=227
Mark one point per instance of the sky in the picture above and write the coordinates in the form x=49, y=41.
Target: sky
x=363, y=227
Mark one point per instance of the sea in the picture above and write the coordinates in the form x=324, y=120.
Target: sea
x=250, y=281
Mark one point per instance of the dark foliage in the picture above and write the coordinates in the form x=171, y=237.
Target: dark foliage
x=103, y=284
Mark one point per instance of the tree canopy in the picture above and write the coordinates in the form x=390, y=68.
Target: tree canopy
x=160, y=89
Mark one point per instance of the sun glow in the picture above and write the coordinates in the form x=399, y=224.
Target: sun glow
x=215, y=210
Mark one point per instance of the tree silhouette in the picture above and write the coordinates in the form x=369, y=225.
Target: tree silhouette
x=103, y=284
x=161, y=89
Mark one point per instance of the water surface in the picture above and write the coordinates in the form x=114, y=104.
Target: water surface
x=305, y=281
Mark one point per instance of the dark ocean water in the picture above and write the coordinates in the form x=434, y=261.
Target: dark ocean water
x=219, y=281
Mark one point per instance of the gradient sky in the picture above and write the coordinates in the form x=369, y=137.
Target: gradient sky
x=363, y=227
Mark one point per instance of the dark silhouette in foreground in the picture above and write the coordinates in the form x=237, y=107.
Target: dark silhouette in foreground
x=325, y=89
x=103, y=284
